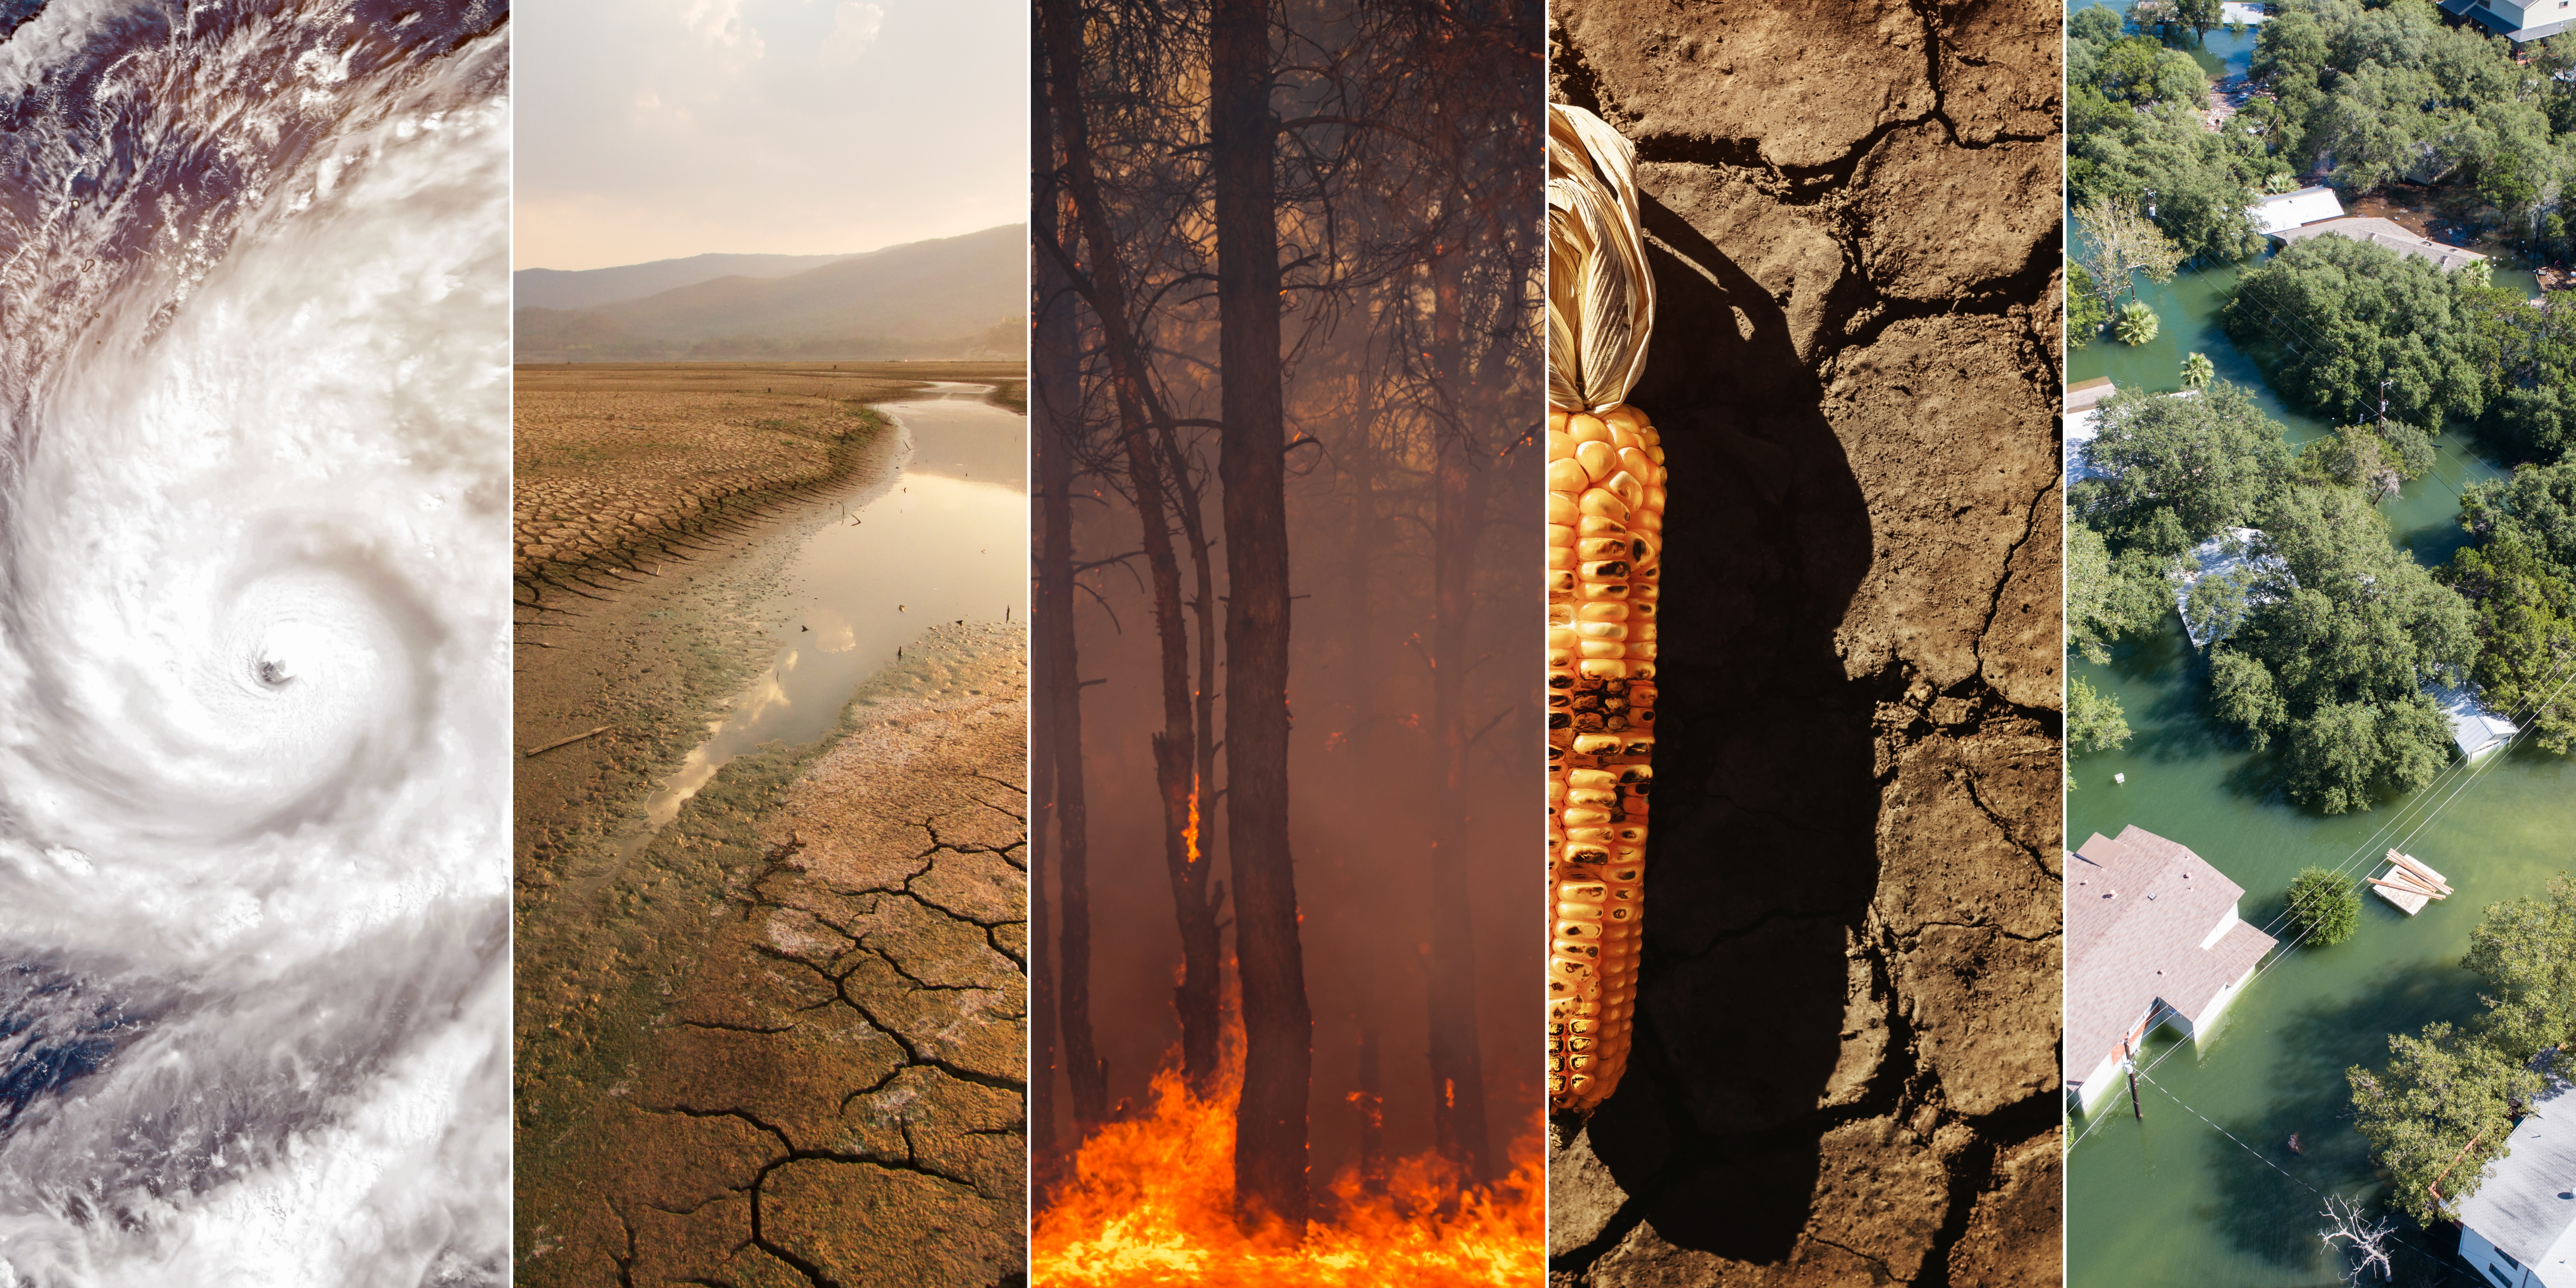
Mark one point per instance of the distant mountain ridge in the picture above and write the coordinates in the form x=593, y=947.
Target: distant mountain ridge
x=951, y=297
x=588, y=288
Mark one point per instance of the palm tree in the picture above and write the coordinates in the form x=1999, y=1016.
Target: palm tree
x=2137, y=324
x=2196, y=371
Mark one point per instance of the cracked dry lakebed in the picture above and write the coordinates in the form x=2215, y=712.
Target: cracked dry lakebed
x=772, y=923
x=1845, y=1068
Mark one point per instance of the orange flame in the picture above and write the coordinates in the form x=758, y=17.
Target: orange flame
x=1190, y=834
x=1151, y=1202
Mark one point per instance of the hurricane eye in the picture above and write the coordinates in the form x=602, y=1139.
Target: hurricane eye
x=273, y=673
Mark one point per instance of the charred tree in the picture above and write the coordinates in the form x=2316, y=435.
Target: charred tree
x=1270, y=1121
x=1198, y=999
x=1175, y=771
x=1051, y=433
x=1145, y=423
x=1055, y=394
x=1461, y=486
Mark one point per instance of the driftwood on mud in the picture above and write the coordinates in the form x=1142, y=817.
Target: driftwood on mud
x=566, y=742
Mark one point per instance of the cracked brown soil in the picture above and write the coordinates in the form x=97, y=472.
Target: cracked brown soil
x=806, y=1061
x=781, y=1042
x=1846, y=1066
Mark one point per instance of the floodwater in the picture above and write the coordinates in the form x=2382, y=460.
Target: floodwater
x=2206, y=1189
x=942, y=539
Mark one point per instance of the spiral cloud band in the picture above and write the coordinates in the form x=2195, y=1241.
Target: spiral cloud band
x=254, y=651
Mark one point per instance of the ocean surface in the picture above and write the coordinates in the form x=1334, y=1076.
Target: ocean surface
x=254, y=685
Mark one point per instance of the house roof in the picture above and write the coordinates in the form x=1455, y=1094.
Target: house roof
x=2383, y=232
x=2526, y=1202
x=2291, y=209
x=2147, y=921
x=2495, y=22
x=2084, y=424
x=2232, y=551
x=2474, y=728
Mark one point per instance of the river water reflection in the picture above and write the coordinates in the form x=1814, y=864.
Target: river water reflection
x=942, y=539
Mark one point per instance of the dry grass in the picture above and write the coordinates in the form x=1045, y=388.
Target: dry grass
x=613, y=459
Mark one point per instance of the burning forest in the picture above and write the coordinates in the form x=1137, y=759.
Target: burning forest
x=1285, y=381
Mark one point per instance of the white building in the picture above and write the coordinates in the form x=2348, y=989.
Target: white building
x=2475, y=729
x=2518, y=22
x=2291, y=209
x=2231, y=553
x=2083, y=400
x=2519, y=1228
x=2152, y=938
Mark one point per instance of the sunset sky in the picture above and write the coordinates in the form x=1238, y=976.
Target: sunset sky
x=655, y=129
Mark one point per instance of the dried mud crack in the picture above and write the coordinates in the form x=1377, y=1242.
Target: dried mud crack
x=1846, y=1065
x=814, y=1071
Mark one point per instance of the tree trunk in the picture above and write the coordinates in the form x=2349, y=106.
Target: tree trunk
x=1051, y=440
x=1054, y=394
x=1462, y=483
x=1270, y=1122
x=1198, y=998
x=1175, y=774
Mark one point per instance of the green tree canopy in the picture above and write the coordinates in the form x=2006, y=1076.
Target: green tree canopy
x=2389, y=91
x=2335, y=319
x=2176, y=469
x=2525, y=950
x=2197, y=183
x=2438, y=1114
x=2094, y=720
x=2520, y=606
x=2537, y=504
x=2108, y=597
x=2325, y=907
x=2085, y=312
x=2347, y=636
x=2117, y=245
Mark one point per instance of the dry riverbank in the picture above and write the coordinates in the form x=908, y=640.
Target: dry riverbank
x=677, y=1068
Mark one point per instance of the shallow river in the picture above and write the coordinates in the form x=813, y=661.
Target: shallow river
x=942, y=539
x=2205, y=1190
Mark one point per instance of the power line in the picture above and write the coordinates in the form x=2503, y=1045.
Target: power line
x=2281, y=952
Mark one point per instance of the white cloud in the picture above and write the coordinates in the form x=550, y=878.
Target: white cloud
x=854, y=28
x=719, y=22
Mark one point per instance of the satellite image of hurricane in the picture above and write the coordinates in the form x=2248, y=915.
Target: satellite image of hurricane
x=254, y=668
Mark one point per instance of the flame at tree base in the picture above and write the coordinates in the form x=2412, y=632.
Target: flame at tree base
x=1151, y=1202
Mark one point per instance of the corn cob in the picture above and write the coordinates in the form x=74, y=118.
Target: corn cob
x=1605, y=500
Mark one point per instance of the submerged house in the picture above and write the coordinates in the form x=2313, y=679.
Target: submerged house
x=2083, y=412
x=2474, y=729
x=2152, y=938
x=2383, y=232
x=2291, y=209
x=2237, y=554
x=2519, y=21
x=2519, y=1227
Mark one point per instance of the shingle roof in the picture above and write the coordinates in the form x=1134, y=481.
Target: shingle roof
x=2383, y=232
x=2526, y=1204
x=2141, y=912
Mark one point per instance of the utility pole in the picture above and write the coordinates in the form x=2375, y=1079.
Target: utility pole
x=2129, y=1065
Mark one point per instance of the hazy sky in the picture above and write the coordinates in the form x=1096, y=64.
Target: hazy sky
x=653, y=129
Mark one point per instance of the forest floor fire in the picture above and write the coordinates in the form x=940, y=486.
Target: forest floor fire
x=1151, y=1202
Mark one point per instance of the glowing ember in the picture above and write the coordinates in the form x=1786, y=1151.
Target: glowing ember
x=1152, y=1202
